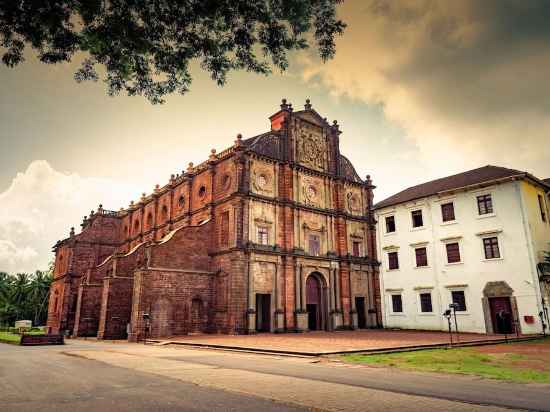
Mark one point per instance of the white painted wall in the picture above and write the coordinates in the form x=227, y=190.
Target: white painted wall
x=472, y=273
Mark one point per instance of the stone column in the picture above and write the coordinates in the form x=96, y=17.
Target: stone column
x=337, y=312
x=301, y=314
x=354, y=321
x=251, y=311
x=279, y=321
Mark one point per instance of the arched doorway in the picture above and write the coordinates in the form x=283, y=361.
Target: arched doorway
x=314, y=302
x=500, y=308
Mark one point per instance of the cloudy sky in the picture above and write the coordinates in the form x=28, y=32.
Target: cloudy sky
x=422, y=89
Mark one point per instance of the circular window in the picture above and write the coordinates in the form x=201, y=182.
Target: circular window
x=202, y=191
x=181, y=201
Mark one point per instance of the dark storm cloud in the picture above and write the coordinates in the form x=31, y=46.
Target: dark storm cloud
x=467, y=78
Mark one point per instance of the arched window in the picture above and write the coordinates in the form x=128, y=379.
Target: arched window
x=149, y=220
x=164, y=212
x=181, y=202
x=136, y=226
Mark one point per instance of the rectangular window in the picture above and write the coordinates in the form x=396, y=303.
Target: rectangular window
x=417, y=218
x=263, y=235
x=448, y=212
x=224, y=229
x=390, y=224
x=356, y=246
x=314, y=245
x=542, y=208
x=453, y=252
x=397, y=304
x=459, y=299
x=426, y=302
x=490, y=245
x=484, y=204
x=393, y=260
x=421, y=256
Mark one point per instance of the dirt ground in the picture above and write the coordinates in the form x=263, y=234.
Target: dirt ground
x=532, y=355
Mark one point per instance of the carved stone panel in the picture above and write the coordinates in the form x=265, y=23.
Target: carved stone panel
x=264, y=275
x=312, y=191
x=354, y=201
x=311, y=147
x=263, y=179
x=360, y=281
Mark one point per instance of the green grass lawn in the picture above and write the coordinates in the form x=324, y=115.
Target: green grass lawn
x=9, y=338
x=503, y=366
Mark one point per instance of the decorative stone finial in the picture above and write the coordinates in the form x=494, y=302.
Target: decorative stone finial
x=71, y=233
x=91, y=213
x=239, y=141
x=212, y=154
x=100, y=207
x=290, y=107
x=284, y=106
x=335, y=124
x=307, y=106
x=157, y=187
x=368, y=181
x=190, y=167
x=131, y=203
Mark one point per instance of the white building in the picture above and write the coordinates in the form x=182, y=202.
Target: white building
x=474, y=239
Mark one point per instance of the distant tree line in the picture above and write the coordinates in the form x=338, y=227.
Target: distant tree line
x=24, y=296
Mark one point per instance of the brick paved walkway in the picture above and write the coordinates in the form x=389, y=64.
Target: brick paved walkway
x=328, y=342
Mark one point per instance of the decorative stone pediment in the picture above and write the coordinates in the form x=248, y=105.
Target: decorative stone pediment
x=313, y=117
x=496, y=289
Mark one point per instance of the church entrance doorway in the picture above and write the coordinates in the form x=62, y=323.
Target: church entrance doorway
x=313, y=302
x=263, y=312
x=501, y=315
x=361, y=317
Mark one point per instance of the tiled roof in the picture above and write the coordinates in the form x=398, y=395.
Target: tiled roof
x=471, y=177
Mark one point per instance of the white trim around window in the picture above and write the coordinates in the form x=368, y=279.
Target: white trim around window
x=390, y=294
x=421, y=291
x=444, y=242
x=476, y=207
x=467, y=300
x=487, y=235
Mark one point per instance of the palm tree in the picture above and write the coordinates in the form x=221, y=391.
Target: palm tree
x=38, y=292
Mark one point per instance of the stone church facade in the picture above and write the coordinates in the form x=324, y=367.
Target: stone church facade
x=274, y=234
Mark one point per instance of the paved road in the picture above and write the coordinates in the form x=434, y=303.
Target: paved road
x=139, y=378
x=451, y=387
x=43, y=379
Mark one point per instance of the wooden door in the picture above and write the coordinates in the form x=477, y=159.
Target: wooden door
x=501, y=315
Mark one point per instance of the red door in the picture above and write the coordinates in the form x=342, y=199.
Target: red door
x=501, y=315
